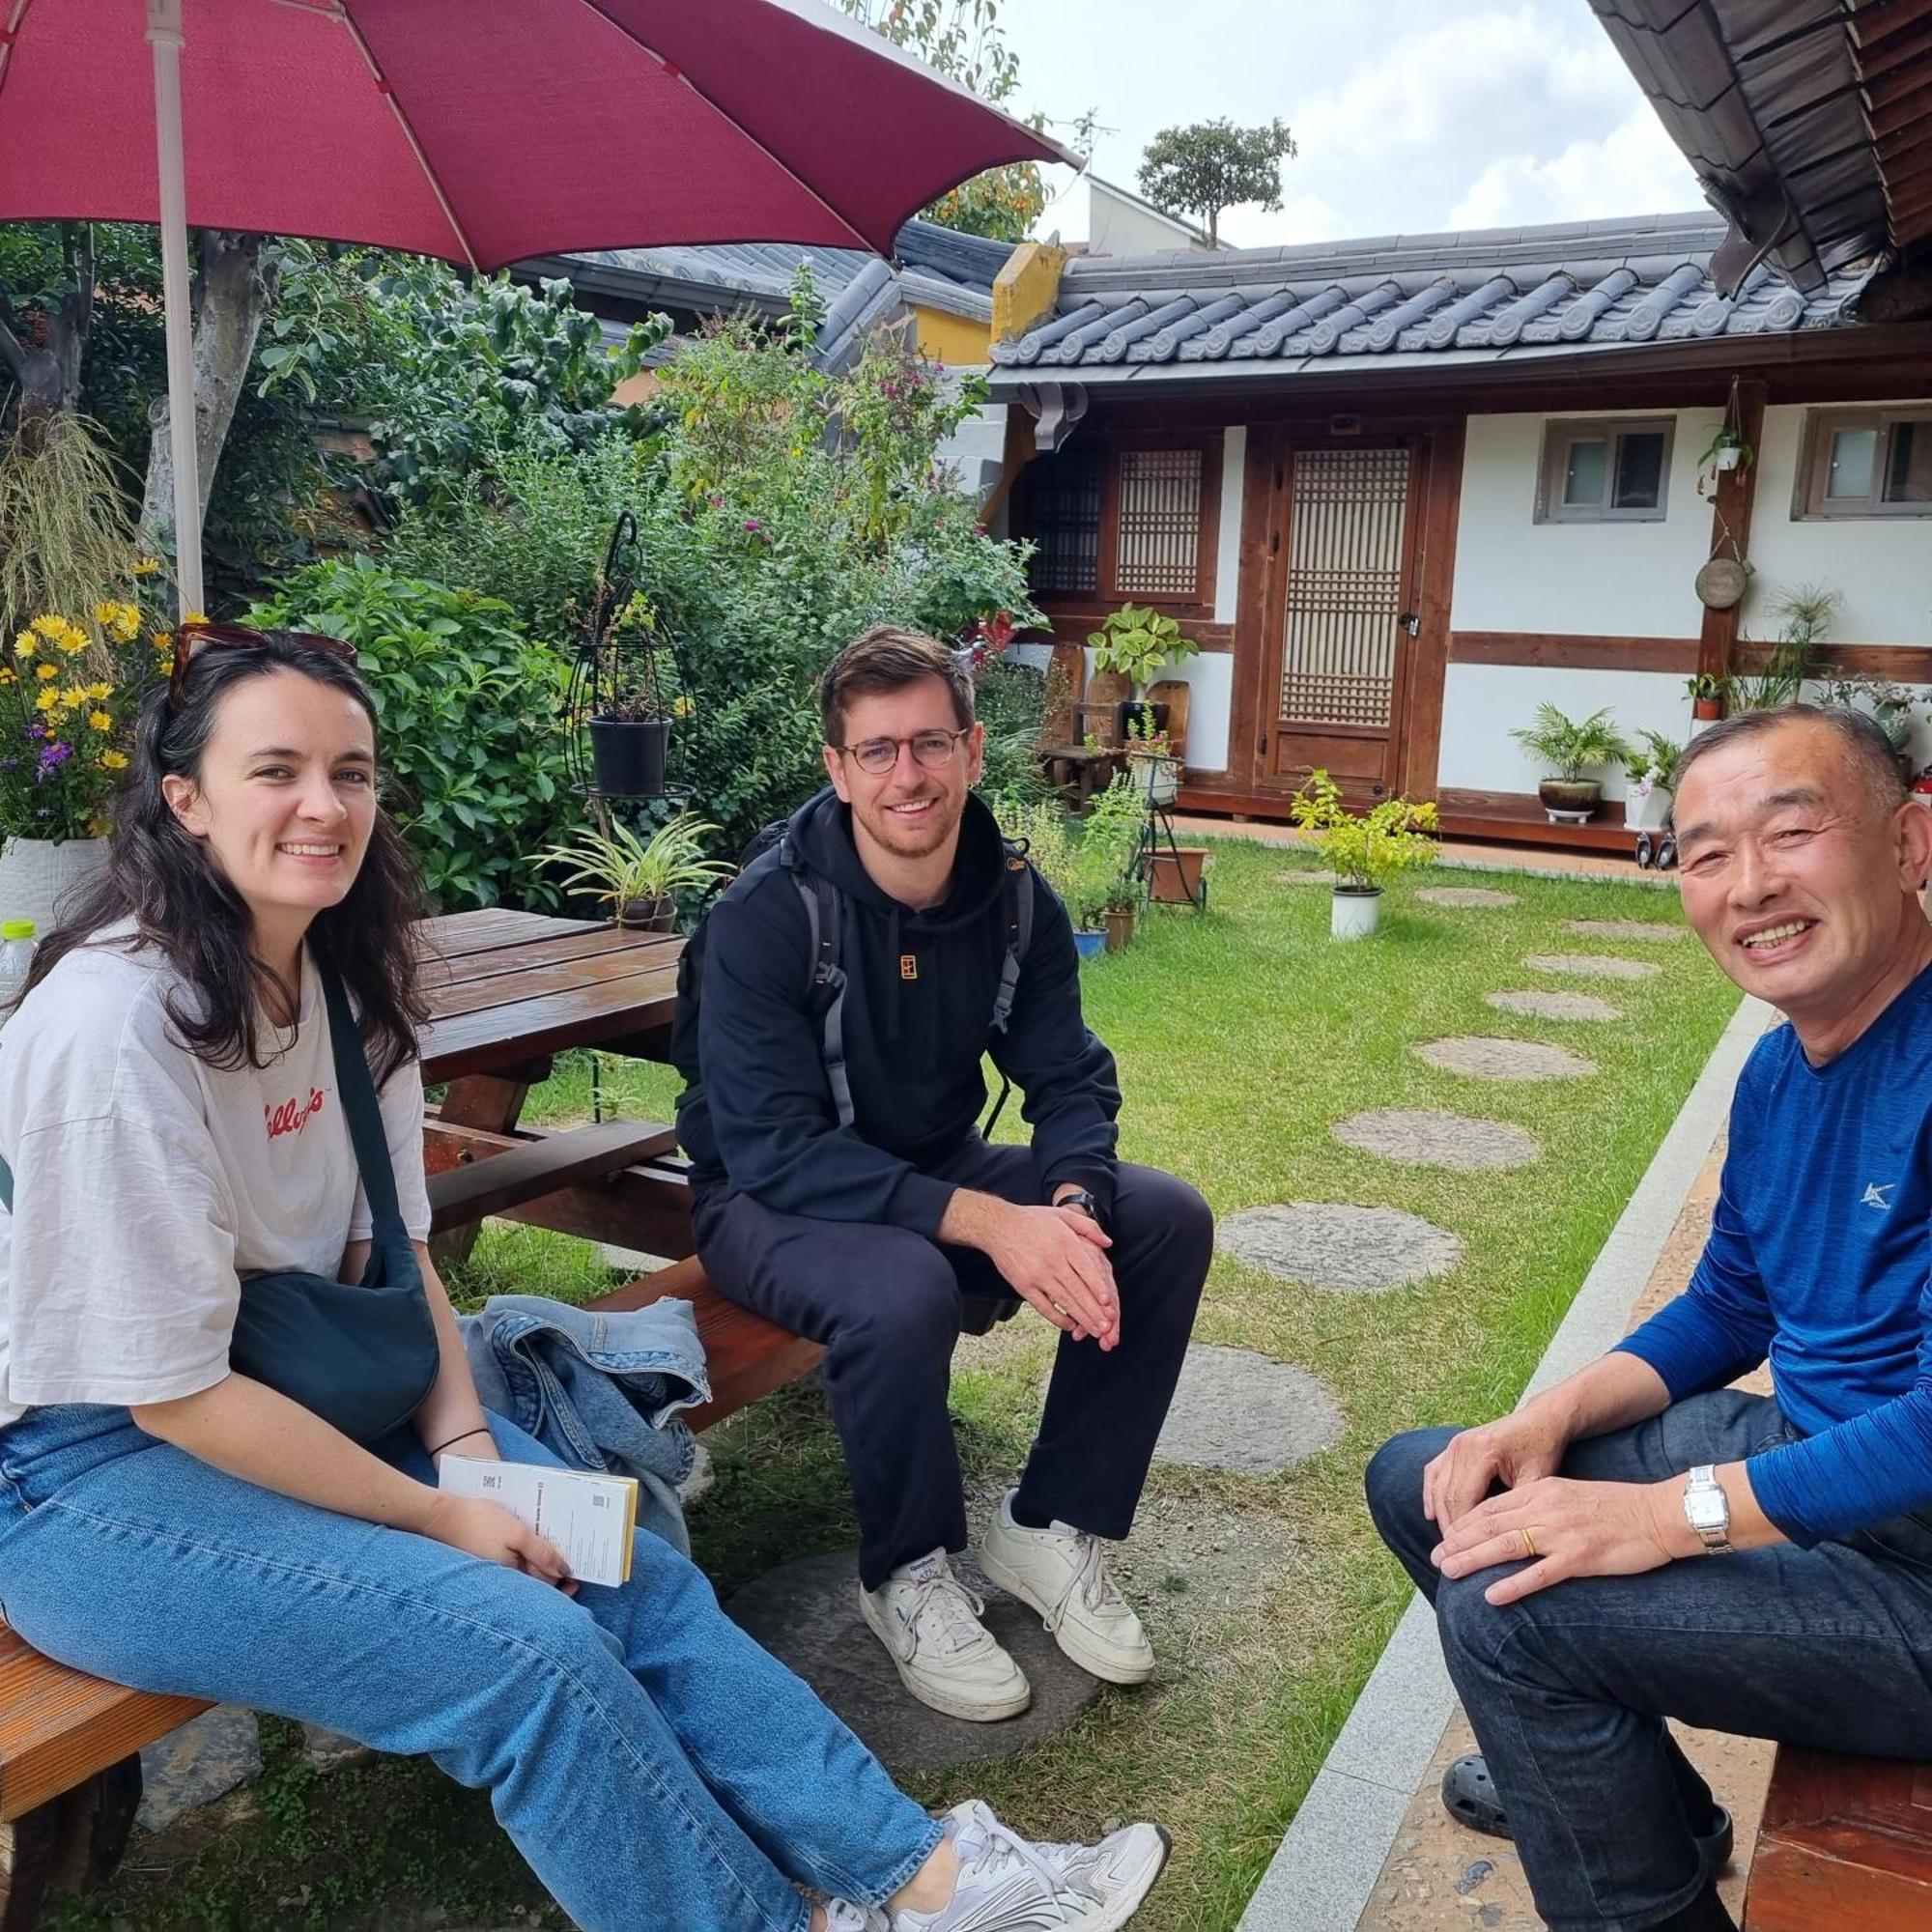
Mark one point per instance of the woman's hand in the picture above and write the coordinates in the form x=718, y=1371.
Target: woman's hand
x=486, y=1530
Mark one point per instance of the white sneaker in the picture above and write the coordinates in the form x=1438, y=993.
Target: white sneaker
x=1062, y=1572
x=1007, y=1885
x=929, y=1621
x=843, y=1915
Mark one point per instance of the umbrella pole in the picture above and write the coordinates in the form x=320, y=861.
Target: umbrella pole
x=165, y=36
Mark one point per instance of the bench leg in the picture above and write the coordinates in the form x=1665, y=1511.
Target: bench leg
x=494, y=1104
x=71, y=1843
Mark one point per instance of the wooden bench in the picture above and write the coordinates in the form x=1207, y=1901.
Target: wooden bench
x=70, y=1773
x=1846, y=1843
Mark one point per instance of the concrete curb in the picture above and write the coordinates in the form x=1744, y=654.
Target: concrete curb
x=1327, y=1864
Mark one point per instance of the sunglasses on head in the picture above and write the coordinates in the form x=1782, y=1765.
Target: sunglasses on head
x=193, y=639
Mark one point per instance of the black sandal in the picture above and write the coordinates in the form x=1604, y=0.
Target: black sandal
x=1471, y=1799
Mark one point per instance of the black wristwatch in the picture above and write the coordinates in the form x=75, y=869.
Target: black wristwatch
x=1087, y=1206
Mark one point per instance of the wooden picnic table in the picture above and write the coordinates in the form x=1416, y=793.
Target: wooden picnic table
x=508, y=990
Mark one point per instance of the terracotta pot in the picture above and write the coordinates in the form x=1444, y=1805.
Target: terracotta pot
x=1177, y=874
x=1709, y=709
x=1119, y=927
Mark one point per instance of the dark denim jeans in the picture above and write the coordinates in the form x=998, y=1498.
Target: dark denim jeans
x=1568, y=1691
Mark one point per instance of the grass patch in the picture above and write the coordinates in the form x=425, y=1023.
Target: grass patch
x=1243, y=1035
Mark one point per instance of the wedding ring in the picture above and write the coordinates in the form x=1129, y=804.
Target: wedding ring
x=1528, y=1543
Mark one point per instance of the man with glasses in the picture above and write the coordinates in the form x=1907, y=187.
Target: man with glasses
x=842, y=1188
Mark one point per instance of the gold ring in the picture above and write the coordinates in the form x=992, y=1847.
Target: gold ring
x=1528, y=1543
x=1060, y=1308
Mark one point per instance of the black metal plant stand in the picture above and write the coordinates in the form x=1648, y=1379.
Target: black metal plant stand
x=1156, y=836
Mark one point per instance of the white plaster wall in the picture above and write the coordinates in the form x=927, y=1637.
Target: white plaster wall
x=1227, y=539
x=1880, y=566
x=1620, y=579
x=1482, y=704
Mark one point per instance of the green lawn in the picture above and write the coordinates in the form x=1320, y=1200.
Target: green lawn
x=1241, y=1035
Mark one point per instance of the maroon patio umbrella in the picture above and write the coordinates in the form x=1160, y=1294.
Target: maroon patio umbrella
x=481, y=130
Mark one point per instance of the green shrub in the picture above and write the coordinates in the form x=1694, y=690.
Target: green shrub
x=472, y=713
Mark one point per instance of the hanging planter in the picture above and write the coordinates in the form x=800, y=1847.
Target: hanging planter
x=627, y=755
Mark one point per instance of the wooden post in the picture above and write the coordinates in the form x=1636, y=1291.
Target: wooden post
x=1731, y=522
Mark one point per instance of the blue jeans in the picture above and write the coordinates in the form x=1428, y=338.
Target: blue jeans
x=651, y=1762
x=1568, y=1690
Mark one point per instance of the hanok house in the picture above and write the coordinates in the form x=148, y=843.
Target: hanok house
x=1401, y=491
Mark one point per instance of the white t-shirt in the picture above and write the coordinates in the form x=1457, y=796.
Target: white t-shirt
x=145, y=1180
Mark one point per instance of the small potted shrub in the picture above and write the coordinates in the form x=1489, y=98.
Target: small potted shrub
x=1362, y=849
x=1567, y=750
x=630, y=723
x=1120, y=912
x=1708, y=692
x=1137, y=643
x=1652, y=770
x=640, y=877
x=1155, y=769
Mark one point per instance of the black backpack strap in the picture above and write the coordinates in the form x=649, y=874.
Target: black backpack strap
x=1019, y=936
x=823, y=903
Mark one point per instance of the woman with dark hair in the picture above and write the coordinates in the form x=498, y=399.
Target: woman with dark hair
x=185, y=1126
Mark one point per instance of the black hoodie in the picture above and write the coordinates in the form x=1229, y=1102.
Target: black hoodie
x=918, y=1018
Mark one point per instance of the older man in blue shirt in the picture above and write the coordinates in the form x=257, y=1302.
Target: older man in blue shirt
x=1642, y=1542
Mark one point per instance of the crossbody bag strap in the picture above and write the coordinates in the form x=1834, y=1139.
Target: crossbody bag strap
x=360, y=1107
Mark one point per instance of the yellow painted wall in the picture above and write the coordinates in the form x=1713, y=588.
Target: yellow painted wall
x=952, y=339
x=1026, y=289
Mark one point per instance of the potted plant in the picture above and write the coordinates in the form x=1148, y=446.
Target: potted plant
x=69, y=694
x=1708, y=692
x=1155, y=770
x=1362, y=849
x=1652, y=769
x=1104, y=889
x=1046, y=835
x=1136, y=642
x=1120, y=912
x=640, y=877
x=1567, y=750
x=1726, y=451
x=1804, y=615
x=629, y=721
x=1889, y=705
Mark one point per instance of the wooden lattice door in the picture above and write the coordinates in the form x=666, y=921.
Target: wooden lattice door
x=1341, y=615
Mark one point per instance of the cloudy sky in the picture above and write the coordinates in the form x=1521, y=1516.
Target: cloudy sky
x=1410, y=115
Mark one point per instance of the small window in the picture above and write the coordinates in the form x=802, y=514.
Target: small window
x=1598, y=472
x=1063, y=520
x=1157, y=535
x=1866, y=463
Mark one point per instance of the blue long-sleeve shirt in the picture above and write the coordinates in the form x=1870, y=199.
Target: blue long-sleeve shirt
x=1818, y=1260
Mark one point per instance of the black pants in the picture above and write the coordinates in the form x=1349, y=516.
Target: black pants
x=886, y=1305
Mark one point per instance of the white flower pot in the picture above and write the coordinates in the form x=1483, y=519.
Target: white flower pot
x=37, y=876
x=1353, y=915
x=1649, y=814
x=1727, y=458
x=1156, y=778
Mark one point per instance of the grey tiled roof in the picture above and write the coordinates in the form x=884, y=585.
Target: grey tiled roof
x=1394, y=300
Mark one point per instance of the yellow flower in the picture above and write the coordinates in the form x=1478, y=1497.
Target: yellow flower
x=164, y=641
x=74, y=696
x=73, y=640
x=97, y=692
x=115, y=761
x=46, y=671
x=195, y=617
x=98, y=721
x=7, y=675
x=147, y=566
x=24, y=645
x=47, y=701
x=49, y=626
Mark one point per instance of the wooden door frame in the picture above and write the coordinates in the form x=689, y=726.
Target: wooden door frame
x=1435, y=486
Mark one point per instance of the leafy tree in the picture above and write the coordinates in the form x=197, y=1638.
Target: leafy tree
x=1210, y=166
x=963, y=40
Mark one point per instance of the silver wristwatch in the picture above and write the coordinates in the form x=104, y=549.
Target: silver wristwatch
x=1707, y=1511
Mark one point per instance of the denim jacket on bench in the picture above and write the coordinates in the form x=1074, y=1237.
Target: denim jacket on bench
x=601, y=1390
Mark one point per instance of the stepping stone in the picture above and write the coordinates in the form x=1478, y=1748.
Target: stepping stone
x=1624, y=928
x=1593, y=966
x=806, y=1614
x=1329, y=1244
x=1236, y=1409
x=1465, y=896
x=204, y=1760
x=1431, y=1138
x=1304, y=878
x=1506, y=1058
x=1555, y=1006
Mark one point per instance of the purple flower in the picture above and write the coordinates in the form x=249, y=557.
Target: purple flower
x=52, y=757
x=752, y=523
